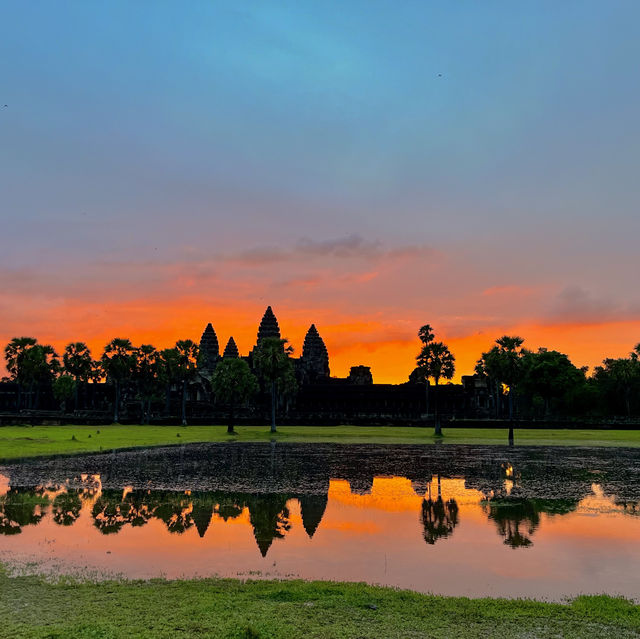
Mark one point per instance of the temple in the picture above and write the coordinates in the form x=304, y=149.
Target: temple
x=323, y=399
x=231, y=350
x=209, y=350
x=318, y=398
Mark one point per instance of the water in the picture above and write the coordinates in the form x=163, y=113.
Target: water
x=539, y=522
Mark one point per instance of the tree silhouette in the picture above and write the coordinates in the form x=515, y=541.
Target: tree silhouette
x=618, y=382
x=109, y=514
x=436, y=362
x=168, y=372
x=20, y=508
x=147, y=368
x=516, y=520
x=233, y=384
x=66, y=508
x=31, y=364
x=187, y=369
x=64, y=387
x=426, y=335
x=274, y=365
x=504, y=366
x=77, y=362
x=118, y=364
x=550, y=375
x=175, y=511
x=15, y=353
x=439, y=518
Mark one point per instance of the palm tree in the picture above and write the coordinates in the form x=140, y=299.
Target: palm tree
x=233, y=383
x=32, y=364
x=77, y=362
x=168, y=373
x=426, y=335
x=436, y=362
x=187, y=369
x=439, y=518
x=118, y=364
x=63, y=389
x=510, y=362
x=14, y=353
x=147, y=376
x=274, y=366
x=46, y=364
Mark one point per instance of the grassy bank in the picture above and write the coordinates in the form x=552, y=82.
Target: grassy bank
x=30, y=607
x=32, y=441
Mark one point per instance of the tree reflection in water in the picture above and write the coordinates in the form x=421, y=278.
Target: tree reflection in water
x=518, y=519
x=19, y=508
x=268, y=513
x=515, y=518
x=66, y=508
x=439, y=518
x=269, y=517
x=176, y=511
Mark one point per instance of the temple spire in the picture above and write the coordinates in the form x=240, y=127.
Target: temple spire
x=312, y=509
x=315, y=357
x=202, y=517
x=209, y=349
x=268, y=326
x=231, y=350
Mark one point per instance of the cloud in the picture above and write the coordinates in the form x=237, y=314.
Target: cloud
x=575, y=304
x=350, y=247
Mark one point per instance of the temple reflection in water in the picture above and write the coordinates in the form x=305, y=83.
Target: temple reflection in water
x=258, y=485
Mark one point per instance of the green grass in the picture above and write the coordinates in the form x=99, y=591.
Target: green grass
x=31, y=607
x=31, y=441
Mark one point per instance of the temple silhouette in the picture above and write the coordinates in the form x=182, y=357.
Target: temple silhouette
x=319, y=397
x=322, y=398
x=189, y=487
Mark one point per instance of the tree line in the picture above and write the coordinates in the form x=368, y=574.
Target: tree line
x=538, y=384
x=147, y=374
x=521, y=383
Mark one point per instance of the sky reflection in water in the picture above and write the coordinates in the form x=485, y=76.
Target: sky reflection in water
x=438, y=535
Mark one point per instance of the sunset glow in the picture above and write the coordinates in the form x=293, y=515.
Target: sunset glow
x=233, y=157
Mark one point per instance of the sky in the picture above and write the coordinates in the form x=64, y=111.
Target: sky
x=368, y=166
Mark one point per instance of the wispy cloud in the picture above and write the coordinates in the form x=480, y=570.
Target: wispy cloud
x=575, y=304
x=350, y=247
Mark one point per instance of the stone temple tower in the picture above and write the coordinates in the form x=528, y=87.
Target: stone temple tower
x=314, y=362
x=231, y=350
x=268, y=326
x=209, y=350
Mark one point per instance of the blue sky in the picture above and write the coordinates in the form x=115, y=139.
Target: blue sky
x=497, y=140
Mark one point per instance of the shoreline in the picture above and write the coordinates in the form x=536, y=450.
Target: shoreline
x=259, y=608
x=21, y=443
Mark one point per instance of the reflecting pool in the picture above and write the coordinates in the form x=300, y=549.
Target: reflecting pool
x=457, y=520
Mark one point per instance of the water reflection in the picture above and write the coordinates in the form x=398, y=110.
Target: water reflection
x=516, y=519
x=340, y=513
x=66, y=508
x=113, y=510
x=20, y=508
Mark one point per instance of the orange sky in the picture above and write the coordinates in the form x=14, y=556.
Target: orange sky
x=479, y=175
x=389, y=345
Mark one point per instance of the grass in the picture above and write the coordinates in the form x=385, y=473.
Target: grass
x=32, y=441
x=33, y=608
